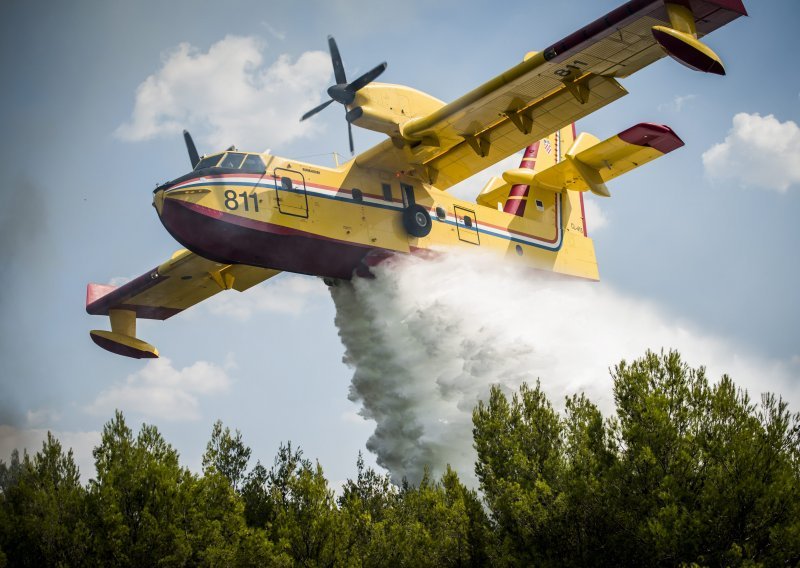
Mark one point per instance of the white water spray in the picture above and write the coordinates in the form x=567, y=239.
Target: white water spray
x=427, y=339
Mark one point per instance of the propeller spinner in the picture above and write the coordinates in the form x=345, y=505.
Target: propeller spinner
x=343, y=92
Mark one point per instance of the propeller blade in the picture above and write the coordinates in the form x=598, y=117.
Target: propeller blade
x=350, y=135
x=194, y=157
x=336, y=58
x=366, y=78
x=315, y=110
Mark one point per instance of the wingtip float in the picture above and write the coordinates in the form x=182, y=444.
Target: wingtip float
x=244, y=217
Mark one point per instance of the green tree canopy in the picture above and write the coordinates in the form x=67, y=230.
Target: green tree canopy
x=227, y=454
x=685, y=472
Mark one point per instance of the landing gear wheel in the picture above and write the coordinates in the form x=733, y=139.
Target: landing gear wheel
x=417, y=221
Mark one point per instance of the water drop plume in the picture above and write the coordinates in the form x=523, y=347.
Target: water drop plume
x=427, y=339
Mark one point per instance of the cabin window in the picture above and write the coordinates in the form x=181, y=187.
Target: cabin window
x=253, y=164
x=232, y=160
x=286, y=183
x=387, y=191
x=539, y=205
x=467, y=221
x=358, y=197
x=209, y=162
x=441, y=214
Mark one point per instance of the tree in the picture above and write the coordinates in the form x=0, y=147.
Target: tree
x=42, y=513
x=136, y=500
x=304, y=509
x=227, y=454
x=685, y=472
x=258, y=510
x=363, y=507
x=705, y=475
x=520, y=467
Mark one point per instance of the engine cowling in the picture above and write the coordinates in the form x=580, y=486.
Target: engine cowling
x=383, y=107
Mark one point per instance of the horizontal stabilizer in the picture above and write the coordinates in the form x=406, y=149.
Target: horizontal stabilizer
x=494, y=193
x=589, y=164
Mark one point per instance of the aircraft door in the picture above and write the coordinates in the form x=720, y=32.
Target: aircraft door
x=290, y=189
x=467, y=225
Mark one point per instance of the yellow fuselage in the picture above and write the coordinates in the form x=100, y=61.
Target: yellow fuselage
x=331, y=222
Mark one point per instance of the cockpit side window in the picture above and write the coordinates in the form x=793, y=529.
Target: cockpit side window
x=232, y=160
x=253, y=164
x=208, y=162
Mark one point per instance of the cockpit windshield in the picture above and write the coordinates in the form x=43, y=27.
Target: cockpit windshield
x=232, y=160
x=208, y=162
x=250, y=163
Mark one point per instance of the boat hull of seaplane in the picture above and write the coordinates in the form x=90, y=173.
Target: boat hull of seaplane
x=233, y=239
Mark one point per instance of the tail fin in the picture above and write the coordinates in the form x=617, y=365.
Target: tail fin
x=563, y=162
x=538, y=157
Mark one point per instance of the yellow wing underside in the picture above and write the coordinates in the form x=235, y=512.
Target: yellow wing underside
x=532, y=99
x=179, y=283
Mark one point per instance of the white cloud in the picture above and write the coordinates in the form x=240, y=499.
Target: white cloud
x=41, y=417
x=284, y=294
x=82, y=444
x=596, y=218
x=161, y=391
x=229, y=95
x=676, y=105
x=759, y=151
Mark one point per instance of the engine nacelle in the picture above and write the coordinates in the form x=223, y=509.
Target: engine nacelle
x=383, y=107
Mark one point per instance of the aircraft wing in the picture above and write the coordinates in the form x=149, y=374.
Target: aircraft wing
x=183, y=281
x=549, y=90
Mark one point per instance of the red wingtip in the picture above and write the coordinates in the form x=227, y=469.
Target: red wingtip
x=96, y=291
x=657, y=136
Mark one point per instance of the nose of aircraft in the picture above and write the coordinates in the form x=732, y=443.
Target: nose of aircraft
x=158, y=201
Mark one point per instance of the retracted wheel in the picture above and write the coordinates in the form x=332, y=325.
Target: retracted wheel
x=417, y=221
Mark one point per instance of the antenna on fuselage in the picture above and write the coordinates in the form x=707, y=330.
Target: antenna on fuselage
x=336, y=158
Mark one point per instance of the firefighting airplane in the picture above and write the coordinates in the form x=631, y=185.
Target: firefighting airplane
x=245, y=217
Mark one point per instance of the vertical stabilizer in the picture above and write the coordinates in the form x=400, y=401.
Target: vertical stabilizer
x=537, y=157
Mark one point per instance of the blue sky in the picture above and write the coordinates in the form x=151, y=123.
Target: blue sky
x=705, y=236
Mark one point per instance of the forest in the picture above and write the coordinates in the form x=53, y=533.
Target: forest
x=687, y=471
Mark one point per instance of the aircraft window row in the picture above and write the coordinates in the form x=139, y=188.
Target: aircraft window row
x=250, y=163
